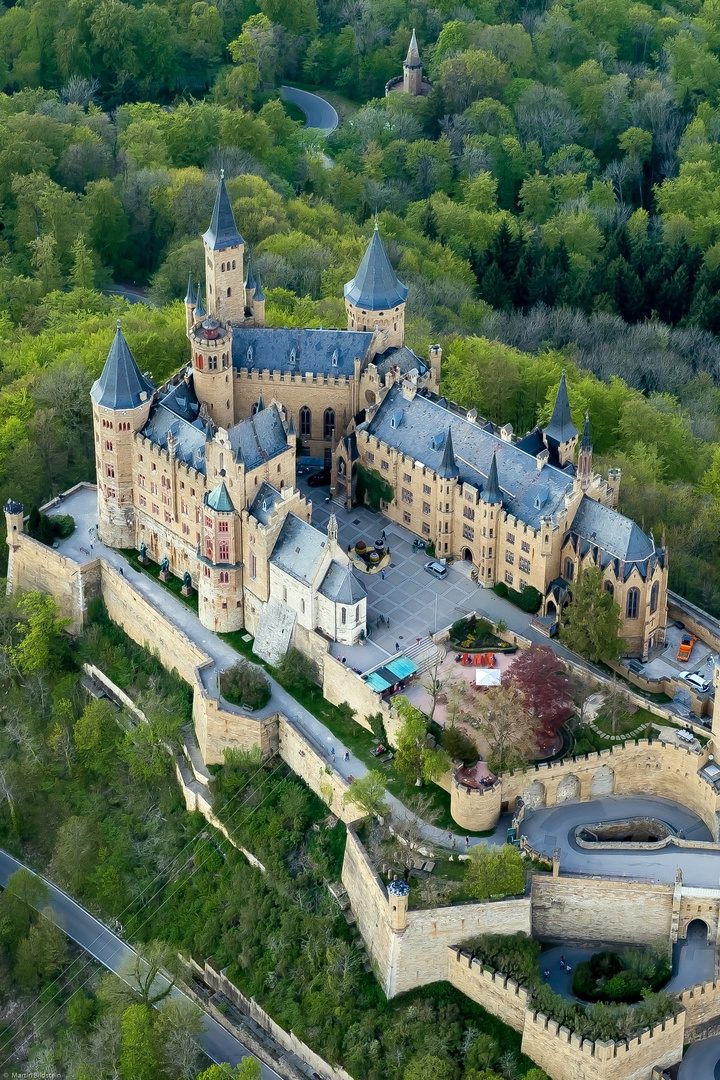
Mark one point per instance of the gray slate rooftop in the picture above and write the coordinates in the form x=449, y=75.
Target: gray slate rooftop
x=404, y=359
x=264, y=502
x=617, y=535
x=314, y=350
x=375, y=287
x=121, y=384
x=561, y=428
x=528, y=494
x=190, y=446
x=299, y=549
x=341, y=586
x=260, y=437
x=219, y=499
x=223, y=232
x=182, y=399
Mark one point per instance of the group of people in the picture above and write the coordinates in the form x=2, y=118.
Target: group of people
x=564, y=966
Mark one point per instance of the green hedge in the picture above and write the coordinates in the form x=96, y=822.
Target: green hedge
x=528, y=600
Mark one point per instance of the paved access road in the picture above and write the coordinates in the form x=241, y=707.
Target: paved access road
x=555, y=827
x=112, y=952
x=319, y=113
x=702, y=1061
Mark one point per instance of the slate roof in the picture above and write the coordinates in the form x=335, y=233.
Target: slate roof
x=219, y=499
x=413, y=54
x=375, y=287
x=448, y=467
x=299, y=549
x=223, y=231
x=259, y=294
x=271, y=349
x=264, y=502
x=614, y=533
x=404, y=359
x=249, y=279
x=526, y=493
x=189, y=297
x=182, y=399
x=121, y=384
x=190, y=445
x=341, y=586
x=260, y=437
x=561, y=428
x=491, y=492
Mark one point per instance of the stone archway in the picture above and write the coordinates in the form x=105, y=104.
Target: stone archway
x=602, y=783
x=550, y=608
x=535, y=797
x=698, y=930
x=568, y=788
x=467, y=555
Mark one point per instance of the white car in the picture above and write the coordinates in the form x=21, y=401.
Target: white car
x=436, y=569
x=696, y=681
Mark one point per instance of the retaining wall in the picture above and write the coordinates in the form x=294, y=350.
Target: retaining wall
x=702, y=1011
x=586, y=911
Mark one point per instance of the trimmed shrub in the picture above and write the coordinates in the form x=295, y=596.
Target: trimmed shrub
x=245, y=685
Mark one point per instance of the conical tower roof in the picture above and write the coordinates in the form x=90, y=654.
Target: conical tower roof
x=413, y=54
x=448, y=466
x=219, y=499
x=375, y=287
x=586, y=440
x=223, y=231
x=122, y=384
x=260, y=404
x=199, y=306
x=561, y=428
x=249, y=279
x=189, y=296
x=491, y=492
x=259, y=294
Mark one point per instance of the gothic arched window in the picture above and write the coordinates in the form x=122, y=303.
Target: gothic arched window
x=569, y=571
x=609, y=587
x=654, y=597
x=305, y=420
x=329, y=424
x=633, y=604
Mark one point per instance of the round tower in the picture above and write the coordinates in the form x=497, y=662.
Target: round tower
x=375, y=298
x=398, y=894
x=121, y=401
x=220, y=605
x=472, y=807
x=213, y=381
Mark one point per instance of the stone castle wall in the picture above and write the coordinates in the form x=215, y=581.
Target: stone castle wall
x=561, y=1053
x=33, y=565
x=590, y=911
x=310, y=763
x=702, y=1011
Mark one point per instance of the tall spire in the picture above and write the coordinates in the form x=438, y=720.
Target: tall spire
x=586, y=441
x=413, y=54
x=223, y=231
x=259, y=294
x=249, y=279
x=491, y=492
x=561, y=428
x=199, y=307
x=448, y=466
x=375, y=287
x=121, y=385
x=189, y=298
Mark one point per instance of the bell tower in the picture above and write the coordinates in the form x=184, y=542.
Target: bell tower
x=224, y=247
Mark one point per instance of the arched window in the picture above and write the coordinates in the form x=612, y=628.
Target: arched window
x=224, y=551
x=233, y=264
x=221, y=460
x=343, y=615
x=224, y=577
x=305, y=420
x=654, y=597
x=569, y=572
x=208, y=548
x=609, y=587
x=199, y=361
x=229, y=292
x=633, y=603
x=222, y=267
x=329, y=424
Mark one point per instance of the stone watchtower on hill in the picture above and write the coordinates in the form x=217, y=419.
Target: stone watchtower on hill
x=411, y=81
x=375, y=298
x=121, y=400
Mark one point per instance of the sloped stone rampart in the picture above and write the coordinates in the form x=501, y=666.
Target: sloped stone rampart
x=589, y=911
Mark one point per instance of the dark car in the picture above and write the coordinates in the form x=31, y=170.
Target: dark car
x=319, y=479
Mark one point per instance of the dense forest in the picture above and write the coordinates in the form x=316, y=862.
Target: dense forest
x=551, y=203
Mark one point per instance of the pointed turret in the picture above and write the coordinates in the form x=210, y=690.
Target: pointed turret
x=200, y=312
x=260, y=404
x=121, y=385
x=448, y=466
x=209, y=433
x=219, y=499
x=249, y=278
x=413, y=53
x=223, y=232
x=189, y=296
x=491, y=492
x=586, y=441
x=561, y=434
x=375, y=287
x=259, y=296
x=584, y=463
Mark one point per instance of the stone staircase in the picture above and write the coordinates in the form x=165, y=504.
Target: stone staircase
x=424, y=653
x=275, y=631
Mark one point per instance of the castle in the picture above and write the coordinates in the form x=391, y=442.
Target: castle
x=201, y=471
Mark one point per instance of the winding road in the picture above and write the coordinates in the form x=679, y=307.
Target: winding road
x=113, y=953
x=319, y=113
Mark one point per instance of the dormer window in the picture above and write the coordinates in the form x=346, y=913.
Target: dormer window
x=438, y=441
x=250, y=353
x=293, y=356
x=335, y=358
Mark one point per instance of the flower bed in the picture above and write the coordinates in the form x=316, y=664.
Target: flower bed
x=473, y=635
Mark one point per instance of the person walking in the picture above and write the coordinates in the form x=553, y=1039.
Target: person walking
x=347, y=755
x=467, y=843
x=562, y=963
x=397, y=646
x=546, y=973
x=382, y=574
x=332, y=752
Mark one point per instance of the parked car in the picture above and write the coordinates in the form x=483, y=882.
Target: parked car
x=436, y=569
x=319, y=479
x=685, y=736
x=686, y=647
x=695, y=680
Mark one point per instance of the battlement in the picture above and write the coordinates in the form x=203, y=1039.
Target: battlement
x=607, y=1050
x=307, y=378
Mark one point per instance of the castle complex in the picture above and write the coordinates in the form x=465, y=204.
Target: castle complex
x=201, y=472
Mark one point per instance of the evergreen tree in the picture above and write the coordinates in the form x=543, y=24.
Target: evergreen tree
x=590, y=625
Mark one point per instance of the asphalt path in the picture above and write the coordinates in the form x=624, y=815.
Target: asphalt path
x=113, y=953
x=319, y=113
x=702, y=1061
x=555, y=827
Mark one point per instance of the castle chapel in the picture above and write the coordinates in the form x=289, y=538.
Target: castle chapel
x=201, y=471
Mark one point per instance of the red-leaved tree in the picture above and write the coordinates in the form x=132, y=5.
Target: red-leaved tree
x=546, y=687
